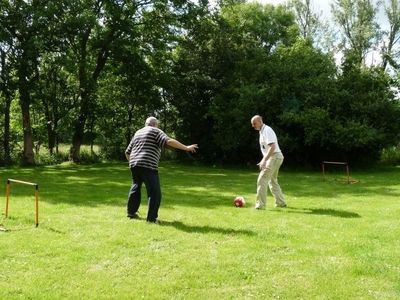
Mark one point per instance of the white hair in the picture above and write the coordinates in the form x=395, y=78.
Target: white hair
x=151, y=121
x=256, y=117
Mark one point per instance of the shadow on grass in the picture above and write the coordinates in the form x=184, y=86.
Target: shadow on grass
x=324, y=212
x=206, y=229
x=109, y=183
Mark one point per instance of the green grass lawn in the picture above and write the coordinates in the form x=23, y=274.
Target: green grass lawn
x=334, y=241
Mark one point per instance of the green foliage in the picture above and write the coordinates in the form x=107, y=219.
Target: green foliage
x=257, y=25
x=90, y=72
x=45, y=158
x=365, y=98
x=197, y=73
x=88, y=155
x=355, y=120
x=216, y=99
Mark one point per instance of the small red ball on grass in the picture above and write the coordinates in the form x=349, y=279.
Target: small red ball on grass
x=239, y=201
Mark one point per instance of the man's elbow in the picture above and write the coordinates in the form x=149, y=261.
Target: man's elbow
x=170, y=142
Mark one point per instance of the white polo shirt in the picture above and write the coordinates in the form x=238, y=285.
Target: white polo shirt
x=268, y=136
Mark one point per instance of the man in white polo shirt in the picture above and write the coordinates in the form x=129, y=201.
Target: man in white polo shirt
x=269, y=165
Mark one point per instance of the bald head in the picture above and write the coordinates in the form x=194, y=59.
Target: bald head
x=257, y=122
x=151, y=121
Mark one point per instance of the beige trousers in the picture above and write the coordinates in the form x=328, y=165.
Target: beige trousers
x=269, y=177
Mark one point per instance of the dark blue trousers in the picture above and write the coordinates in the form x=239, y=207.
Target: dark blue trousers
x=151, y=180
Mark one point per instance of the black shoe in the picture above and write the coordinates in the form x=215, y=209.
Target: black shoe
x=156, y=221
x=133, y=216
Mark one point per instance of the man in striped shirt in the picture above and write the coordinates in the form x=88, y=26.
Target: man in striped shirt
x=143, y=154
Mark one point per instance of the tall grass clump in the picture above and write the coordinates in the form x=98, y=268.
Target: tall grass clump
x=88, y=155
x=45, y=158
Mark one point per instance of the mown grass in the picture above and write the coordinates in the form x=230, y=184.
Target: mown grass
x=334, y=241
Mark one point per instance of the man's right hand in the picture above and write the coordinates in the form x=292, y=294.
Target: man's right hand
x=192, y=148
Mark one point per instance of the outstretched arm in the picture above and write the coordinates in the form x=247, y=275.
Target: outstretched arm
x=178, y=145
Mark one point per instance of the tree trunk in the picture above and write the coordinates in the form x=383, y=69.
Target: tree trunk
x=8, y=98
x=51, y=135
x=77, y=138
x=87, y=85
x=6, y=141
x=51, y=125
x=24, y=86
x=91, y=130
x=28, y=155
x=128, y=132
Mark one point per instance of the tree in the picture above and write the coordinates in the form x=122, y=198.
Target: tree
x=130, y=82
x=312, y=26
x=307, y=20
x=7, y=89
x=90, y=29
x=257, y=34
x=222, y=72
x=304, y=82
x=367, y=109
x=93, y=30
x=359, y=29
x=195, y=71
x=27, y=26
x=389, y=55
x=54, y=96
x=20, y=25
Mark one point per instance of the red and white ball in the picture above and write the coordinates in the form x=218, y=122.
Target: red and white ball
x=239, y=201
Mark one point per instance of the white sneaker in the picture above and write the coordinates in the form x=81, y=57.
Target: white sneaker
x=259, y=205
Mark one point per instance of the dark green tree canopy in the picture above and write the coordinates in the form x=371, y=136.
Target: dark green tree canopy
x=82, y=72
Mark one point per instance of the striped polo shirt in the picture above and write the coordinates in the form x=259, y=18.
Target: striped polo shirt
x=144, y=150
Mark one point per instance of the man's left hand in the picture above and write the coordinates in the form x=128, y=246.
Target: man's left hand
x=262, y=164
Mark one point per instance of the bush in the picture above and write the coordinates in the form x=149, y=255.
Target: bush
x=391, y=155
x=45, y=158
x=88, y=156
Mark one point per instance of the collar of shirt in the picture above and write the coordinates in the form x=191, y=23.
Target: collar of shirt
x=262, y=129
